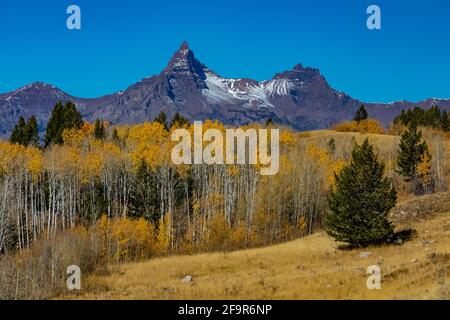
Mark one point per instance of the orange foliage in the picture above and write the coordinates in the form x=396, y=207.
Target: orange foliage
x=365, y=126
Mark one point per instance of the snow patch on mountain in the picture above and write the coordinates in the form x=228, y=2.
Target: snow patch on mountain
x=249, y=93
x=279, y=87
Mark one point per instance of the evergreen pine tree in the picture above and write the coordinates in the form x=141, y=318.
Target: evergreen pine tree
x=99, y=130
x=62, y=117
x=269, y=123
x=401, y=118
x=361, y=200
x=19, y=134
x=144, y=200
x=432, y=117
x=72, y=118
x=178, y=121
x=162, y=119
x=361, y=114
x=32, y=132
x=410, y=151
x=445, y=121
x=26, y=133
x=54, y=133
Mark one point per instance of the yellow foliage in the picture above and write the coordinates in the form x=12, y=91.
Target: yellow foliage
x=125, y=239
x=322, y=157
x=34, y=161
x=335, y=167
x=87, y=128
x=73, y=137
x=92, y=166
x=134, y=239
x=424, y=168
x=365, y=126
x=218, y=232
x=11, y=156
x=302, y=225
x=318, y=154
x=164, y=235
x=149, y=141
x=288, y=138
x=196, y=207
x=233, y=170
x=237, y=237
x=14, y=157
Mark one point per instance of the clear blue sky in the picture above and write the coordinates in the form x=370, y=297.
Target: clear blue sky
x=122, y=42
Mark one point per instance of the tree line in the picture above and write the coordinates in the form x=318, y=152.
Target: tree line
x=433, y=118
x=26, y=132
x=84, y=171
x=87, y=170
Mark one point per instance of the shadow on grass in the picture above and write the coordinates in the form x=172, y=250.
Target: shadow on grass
x=404, y=235
x=397, y=238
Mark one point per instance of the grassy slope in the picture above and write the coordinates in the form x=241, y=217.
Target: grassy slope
x=308, y=268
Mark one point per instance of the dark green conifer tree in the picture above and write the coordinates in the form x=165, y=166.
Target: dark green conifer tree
x=445, y=121
x=99, y=130
x=32, y=132
x=144, y=200
x=62, y=117
x=53, y=133
x=72, y=118
x=410, y=152
x=178, y=121
x=361, y=200
x=19, y=134
x=162, y=119
x=270, y=123
x=361, y=114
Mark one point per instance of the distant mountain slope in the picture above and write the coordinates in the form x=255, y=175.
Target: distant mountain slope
x=301, y=98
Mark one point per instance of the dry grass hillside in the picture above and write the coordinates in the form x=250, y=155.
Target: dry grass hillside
x=309, y=268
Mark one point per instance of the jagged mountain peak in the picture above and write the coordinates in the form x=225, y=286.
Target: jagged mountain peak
x=300, y=68
x=299, y=72
x=37, y=85
x=184, y=61
x=184, y=46
x=300, y=97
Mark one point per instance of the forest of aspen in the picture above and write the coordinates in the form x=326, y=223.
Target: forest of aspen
x=95, y=195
